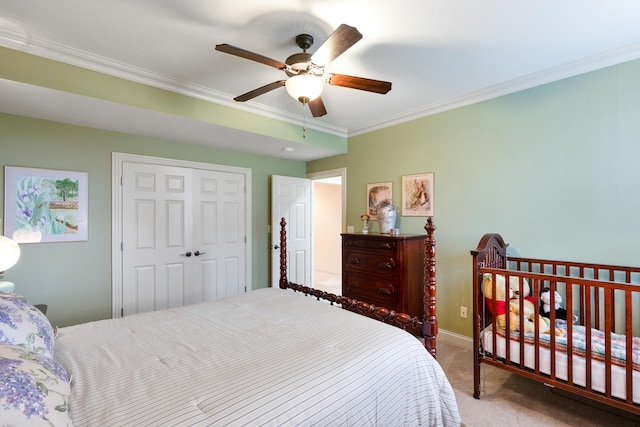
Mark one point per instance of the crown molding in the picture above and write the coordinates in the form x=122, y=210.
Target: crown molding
x=61, y=53
x=65, y=54
x=571, y=69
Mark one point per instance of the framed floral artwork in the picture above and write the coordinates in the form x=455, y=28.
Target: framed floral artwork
x=377, y=194
x=45, y=205
x=417, y=195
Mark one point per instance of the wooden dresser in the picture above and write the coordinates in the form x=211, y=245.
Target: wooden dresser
x=385, y=271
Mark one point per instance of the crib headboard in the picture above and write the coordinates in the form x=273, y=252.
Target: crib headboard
x=492, y=253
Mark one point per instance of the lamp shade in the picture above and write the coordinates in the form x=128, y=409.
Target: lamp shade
x=304, y=87
x=9, y=253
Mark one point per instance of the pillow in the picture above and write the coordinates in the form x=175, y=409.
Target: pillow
x=22, y=324
x=34, y=389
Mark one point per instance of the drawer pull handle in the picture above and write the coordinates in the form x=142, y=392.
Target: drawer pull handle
x=352, y=285
x=384, y=291
x=385, y=266
x=386, y=245
x=351, y=243
x=354, y=261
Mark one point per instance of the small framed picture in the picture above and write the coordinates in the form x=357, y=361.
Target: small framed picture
x=45, y=205
x=377, y=194
x=417, y=195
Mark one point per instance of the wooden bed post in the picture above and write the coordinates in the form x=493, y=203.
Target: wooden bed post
x=283, y=255
x=430, y=320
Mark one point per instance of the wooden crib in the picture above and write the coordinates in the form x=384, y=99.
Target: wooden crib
x=602, y=304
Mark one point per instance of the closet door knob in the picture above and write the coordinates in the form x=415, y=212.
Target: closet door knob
x=198, y=253
x=188, y=254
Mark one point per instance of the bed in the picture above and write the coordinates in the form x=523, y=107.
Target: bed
x=584, y=341
x=267, y=357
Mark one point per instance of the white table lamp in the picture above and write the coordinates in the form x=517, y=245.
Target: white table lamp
x=9, y=256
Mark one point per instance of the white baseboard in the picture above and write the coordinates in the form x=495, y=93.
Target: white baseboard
x=453, y=338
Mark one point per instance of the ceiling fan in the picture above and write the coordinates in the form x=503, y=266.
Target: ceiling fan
x=306, y=70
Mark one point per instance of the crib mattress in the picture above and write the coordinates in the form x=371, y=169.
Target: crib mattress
x=580, y=363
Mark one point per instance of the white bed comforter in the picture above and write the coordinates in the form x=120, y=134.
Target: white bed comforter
x=235, y=362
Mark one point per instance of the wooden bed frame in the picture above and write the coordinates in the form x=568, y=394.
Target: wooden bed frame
x=601, y=297
x=427, y=327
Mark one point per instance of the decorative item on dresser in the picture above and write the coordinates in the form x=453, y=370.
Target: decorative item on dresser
x=385, y=270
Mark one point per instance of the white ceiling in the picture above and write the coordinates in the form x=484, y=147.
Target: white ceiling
x=438, y=54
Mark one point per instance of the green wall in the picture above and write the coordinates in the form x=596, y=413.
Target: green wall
x=34, y=70
x=554, y=169
x=74, y=278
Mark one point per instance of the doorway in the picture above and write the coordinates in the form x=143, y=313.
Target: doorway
x=329, y=216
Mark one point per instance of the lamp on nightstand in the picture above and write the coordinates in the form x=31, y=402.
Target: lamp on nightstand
x=9, y=256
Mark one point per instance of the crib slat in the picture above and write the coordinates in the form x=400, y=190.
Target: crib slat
x=608, y=321
x=569, y=308
x=587, y=295
x=628, y=330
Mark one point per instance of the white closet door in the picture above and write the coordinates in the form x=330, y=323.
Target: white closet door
x=184, y=237
x=219, y=242
x=157, y=237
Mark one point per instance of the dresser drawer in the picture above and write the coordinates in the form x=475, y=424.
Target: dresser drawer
x=386, y=271
x=368, y=243
x=373, y=263
x=377, y=292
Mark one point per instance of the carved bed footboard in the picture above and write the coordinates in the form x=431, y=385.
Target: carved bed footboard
x=427, y=327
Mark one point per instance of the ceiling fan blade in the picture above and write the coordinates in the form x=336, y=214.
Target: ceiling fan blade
x=232, y=50
x=259, y=91
x=338, y=42
x=377, y=86
x=317, y=107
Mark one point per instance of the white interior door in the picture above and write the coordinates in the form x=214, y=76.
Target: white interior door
x=219, y=234
x=182, y=236
x=157, y=224
x=291, y=199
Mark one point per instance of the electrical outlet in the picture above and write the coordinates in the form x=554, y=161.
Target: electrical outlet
x=349, y=228
x=463, y=312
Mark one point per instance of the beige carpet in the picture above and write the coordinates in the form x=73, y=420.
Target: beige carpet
x=511, y=400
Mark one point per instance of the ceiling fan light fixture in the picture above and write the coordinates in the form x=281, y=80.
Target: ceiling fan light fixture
x=304, y=87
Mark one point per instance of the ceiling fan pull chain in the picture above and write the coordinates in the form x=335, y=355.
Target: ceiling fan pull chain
x=304, y=122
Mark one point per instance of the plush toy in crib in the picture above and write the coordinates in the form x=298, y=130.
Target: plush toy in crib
x=514, y=297
x=503, y=294
x=511, y=294
x=545, y=304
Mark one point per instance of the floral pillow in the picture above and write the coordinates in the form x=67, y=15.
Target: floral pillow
x=22, y=324
x=34, y=389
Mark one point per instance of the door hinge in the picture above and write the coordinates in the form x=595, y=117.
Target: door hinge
x=121, y=181
x=122, y=312
x=121, y=246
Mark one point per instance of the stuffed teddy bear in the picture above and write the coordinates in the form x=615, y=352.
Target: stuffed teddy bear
x=514, y=296
x=513, y=291
x=545, y=304
x=503, y=294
